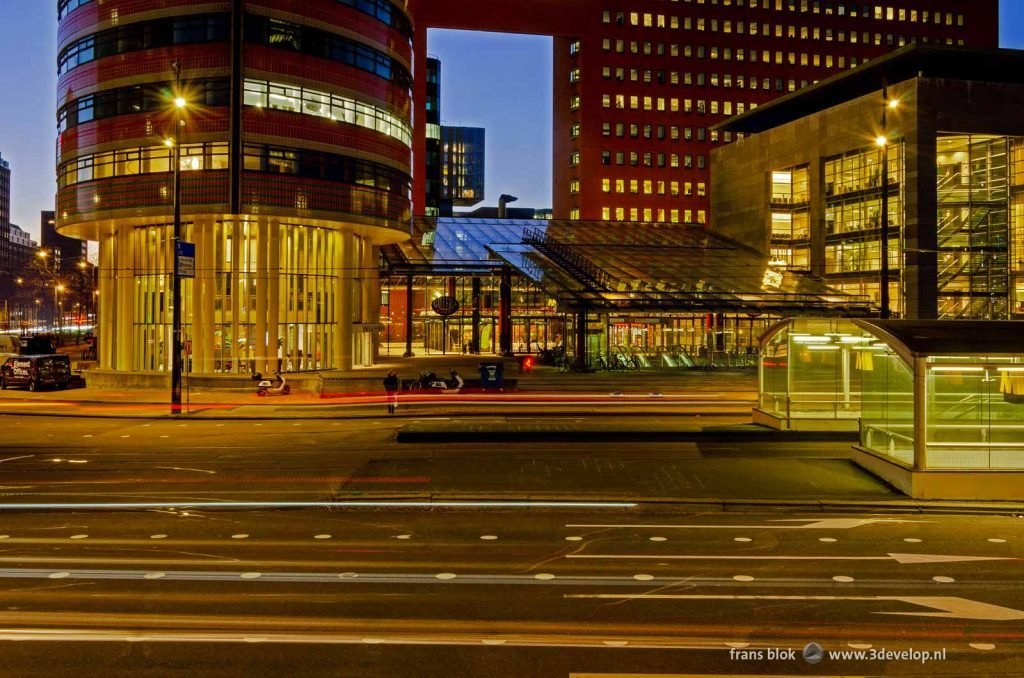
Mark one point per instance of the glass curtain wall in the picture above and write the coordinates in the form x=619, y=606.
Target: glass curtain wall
x=887, y=404
x=791, y=225
x=853, y=221
x=975, y=413
x=973, y=226
x=305, y=281
x=1017, y=228
x=152, y=308
x=812, y=369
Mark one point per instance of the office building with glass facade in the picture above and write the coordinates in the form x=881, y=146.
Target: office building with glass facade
x=808, y=184
x=295, y=164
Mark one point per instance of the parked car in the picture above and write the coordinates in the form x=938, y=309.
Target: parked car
x=36, y=371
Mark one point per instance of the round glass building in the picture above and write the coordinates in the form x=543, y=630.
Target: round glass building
x=295, y=162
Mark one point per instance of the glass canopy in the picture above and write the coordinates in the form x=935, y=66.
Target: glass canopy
x=603, y=266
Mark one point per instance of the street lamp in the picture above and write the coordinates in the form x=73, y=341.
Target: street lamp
x=176, y=359
x=883, y=142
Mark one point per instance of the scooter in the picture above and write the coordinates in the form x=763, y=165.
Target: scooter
x=276, y=386
x=431, y=383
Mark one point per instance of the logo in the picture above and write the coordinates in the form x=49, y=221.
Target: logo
x=445, y=306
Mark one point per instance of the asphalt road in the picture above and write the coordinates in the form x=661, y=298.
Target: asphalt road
x=526, y=592
x=50, y=460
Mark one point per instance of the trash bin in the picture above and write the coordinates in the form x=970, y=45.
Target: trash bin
x=492, y=375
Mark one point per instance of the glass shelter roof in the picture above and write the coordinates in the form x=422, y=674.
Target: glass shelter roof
x=607, y=266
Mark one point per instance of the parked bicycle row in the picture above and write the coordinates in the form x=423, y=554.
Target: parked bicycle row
x=625, y=359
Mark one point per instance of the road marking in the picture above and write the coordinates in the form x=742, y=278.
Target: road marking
x=743, y=539
x=658, y=539
x=488, y=537
x=998, y=541
x=643, y=577
x=944, y=580
x=158, y=536
x=60, y=575
x=239, y=536
x=79, y=536
x=901, y=558
x=949, y=607
x=544, y=576
x=743, y=577
x=322, y=536
x=826, y=524
x=250, y=575
x=318, y=504
x=24, y=456
x=912, y=540
x=983, y=646
x=153, y=575
x=446, y=576
x=403, y=536
x=827, y=540
x=842, y=578
x=574, y=538
x=181, y=468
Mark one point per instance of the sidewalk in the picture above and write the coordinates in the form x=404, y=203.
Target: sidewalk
x=650, y=392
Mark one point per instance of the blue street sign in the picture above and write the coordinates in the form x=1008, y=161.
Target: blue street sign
x=185, y=259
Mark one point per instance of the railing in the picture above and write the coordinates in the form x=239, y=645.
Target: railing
x=563, y=255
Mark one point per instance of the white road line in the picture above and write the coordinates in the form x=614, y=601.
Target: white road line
x=318, y=504
x=24, y=456
x=950, y=607
x=901, y=558
x=826, y=524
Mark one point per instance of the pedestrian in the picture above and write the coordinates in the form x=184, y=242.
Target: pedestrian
x=392, y=384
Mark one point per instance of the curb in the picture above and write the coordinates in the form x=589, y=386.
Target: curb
x=203, y=415
x=449, y=501
x=587, y=436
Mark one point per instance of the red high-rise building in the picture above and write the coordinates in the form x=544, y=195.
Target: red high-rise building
x=639, y=83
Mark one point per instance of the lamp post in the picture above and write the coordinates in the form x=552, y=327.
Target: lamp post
x=175, y=142
x=58, y=289
x=883, y=142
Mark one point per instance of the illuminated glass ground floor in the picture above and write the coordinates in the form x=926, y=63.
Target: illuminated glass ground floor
x=267, y=295
x=923, y=394
x=647, y=295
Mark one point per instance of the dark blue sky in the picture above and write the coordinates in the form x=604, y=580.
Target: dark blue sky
x=501, y=82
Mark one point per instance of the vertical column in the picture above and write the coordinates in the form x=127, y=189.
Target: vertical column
x=505, y=312
x=210, y=264
x=581, y=339
x=259, y=341
x=106, y=314
x=408, y=317
x=920, y=367
x=370, y=274
x=273, y=294
x=477, y=309
x=200, y=331
x=125, y=300
x=344, y=305
x=238, y=280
